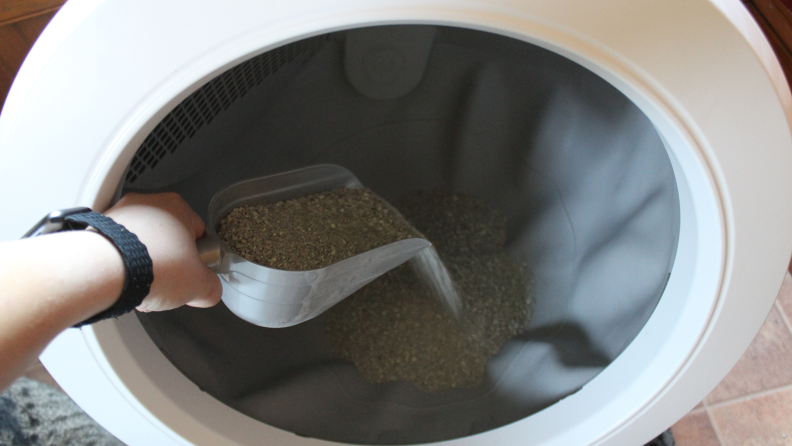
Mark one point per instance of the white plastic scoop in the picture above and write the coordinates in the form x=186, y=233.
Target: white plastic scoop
x=275, y=298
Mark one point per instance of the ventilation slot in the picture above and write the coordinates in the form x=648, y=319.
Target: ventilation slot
x=201, y=107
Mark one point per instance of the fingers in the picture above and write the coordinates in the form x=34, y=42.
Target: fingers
x=197, y=224
x=214, y=292
x=203, y=291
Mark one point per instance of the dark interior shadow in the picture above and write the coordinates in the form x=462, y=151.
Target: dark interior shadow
x=571, y=342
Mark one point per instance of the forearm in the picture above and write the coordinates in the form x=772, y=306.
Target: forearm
x=49, y=284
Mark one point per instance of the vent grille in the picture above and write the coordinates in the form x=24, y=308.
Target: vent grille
x=201, y=107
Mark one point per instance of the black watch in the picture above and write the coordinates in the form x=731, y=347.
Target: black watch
x=137, y=262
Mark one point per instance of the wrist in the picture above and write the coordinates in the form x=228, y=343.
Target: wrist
x=60, y=279
x=49, y=284
x=96, y=279
x=137, y=262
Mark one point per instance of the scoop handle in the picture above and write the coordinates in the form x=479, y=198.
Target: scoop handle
x=209, y=251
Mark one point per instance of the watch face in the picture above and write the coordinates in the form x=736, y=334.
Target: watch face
x=53, y=222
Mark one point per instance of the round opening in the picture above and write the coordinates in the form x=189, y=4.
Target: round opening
x=596, y=201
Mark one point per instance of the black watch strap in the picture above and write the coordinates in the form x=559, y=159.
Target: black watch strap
x=139, y=272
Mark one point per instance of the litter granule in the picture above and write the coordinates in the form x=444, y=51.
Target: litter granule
x=395, y=328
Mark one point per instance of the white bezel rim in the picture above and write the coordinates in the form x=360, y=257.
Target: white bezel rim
x=702, y=230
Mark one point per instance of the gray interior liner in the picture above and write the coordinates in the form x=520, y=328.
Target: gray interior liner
x=580, y=173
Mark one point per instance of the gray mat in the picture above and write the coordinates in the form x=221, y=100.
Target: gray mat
x=35, y=414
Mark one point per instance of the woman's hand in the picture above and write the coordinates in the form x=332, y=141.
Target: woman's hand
x=168, y=227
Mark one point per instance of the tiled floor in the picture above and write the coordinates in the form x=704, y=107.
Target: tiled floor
x=752, y=406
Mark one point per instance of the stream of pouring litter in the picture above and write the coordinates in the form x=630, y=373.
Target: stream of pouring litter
x=433, y=273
